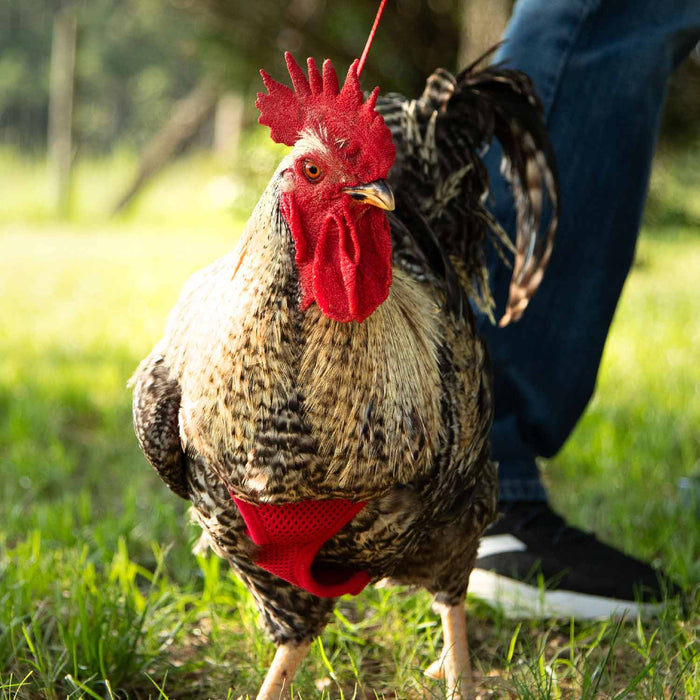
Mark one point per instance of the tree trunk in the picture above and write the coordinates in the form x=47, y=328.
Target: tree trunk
x=228, y=124
x=60, y=144
x=188, y=115
x=483, y=22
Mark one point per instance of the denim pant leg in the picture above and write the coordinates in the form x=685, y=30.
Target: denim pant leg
x=601, y=67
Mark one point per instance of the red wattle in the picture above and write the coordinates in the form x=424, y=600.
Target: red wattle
x=343, y=257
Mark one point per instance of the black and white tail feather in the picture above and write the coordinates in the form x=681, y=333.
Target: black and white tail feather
x=442, y=186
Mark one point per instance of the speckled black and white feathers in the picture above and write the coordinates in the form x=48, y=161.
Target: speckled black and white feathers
x=156, y=406
x=246, y=394
x=442, y=215
x=277, y=405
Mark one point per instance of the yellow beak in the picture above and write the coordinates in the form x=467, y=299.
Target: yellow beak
x=377, y=193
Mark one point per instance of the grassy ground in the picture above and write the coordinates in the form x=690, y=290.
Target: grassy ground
x=99, y=594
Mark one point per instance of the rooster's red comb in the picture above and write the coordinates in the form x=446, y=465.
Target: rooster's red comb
x=319, y=101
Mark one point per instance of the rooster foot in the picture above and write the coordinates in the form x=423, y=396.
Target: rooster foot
x=453, y=666
x=284, y=666
x=436, y=670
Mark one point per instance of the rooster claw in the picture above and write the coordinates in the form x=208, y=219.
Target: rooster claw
x=436, y=670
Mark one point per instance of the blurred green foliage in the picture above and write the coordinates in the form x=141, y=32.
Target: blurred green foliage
x=415, y=37
x=681, y=123
x=134, y=58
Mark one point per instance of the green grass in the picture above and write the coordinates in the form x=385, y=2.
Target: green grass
x=99, y=594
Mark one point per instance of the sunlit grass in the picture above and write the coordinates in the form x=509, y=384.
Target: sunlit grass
x=99, y=593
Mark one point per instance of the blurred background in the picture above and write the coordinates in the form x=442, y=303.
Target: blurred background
x=130, y=157
x=145, y=83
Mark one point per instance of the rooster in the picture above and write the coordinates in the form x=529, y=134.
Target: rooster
x=320, y=395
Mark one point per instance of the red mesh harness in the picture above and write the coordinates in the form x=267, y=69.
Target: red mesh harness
x=289, y=536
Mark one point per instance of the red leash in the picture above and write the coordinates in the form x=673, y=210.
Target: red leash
x=370, y=39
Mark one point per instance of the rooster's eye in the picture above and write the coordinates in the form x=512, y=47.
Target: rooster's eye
x=312, y=171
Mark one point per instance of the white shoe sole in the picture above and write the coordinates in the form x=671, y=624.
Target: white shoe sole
x=518, y=600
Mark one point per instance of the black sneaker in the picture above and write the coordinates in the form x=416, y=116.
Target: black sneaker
x=532, y=564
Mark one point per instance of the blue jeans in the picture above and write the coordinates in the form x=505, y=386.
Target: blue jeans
x=601, y=68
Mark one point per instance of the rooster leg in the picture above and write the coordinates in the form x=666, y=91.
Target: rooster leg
x=453, y=666
x=284, y=665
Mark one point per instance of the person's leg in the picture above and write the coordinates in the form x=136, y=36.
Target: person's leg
x=601, y=68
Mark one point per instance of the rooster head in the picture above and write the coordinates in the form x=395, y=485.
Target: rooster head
x=334, y=192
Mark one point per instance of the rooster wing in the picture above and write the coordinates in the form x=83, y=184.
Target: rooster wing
x=156, y=407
